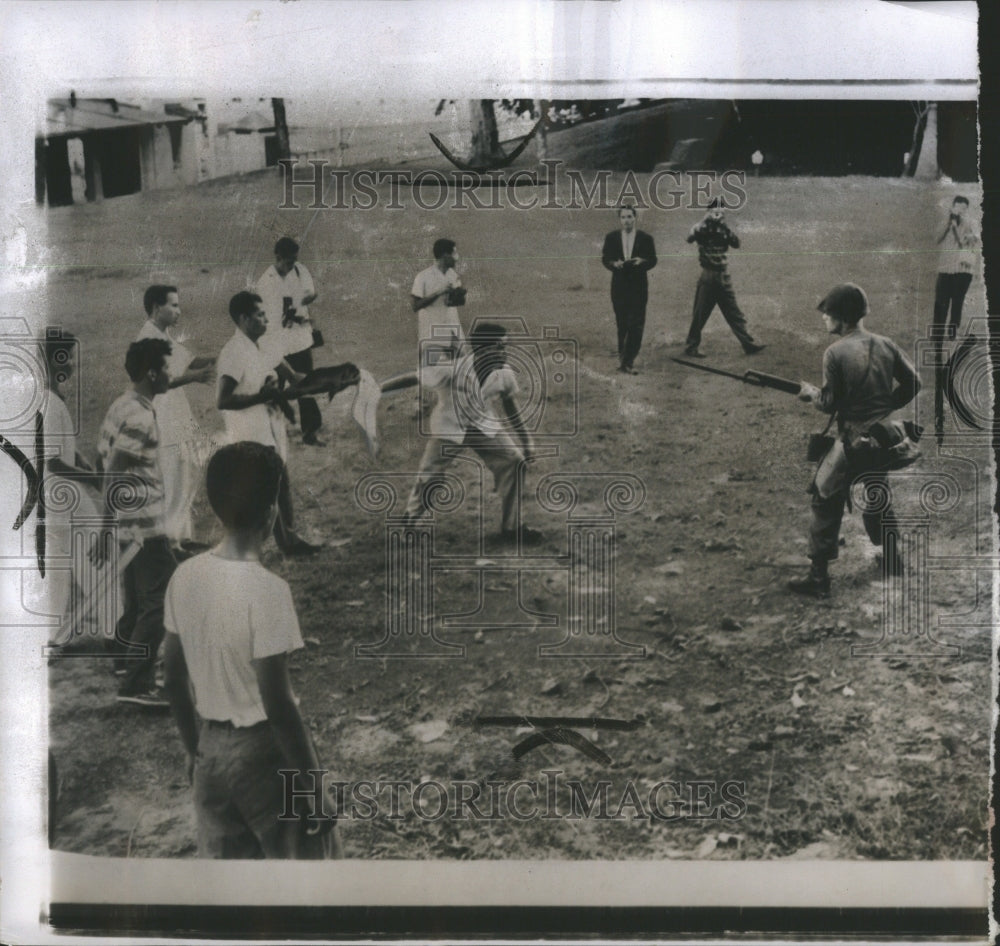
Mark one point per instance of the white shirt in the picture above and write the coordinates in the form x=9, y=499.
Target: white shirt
x=628, y=241
x=463, y=403
x=241, y=360
x=173, y=412
x=273, y=289
x=438, y=313
x=228, y=614
x=958, y=253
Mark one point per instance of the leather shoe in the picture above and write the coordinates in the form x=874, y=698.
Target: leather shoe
x=753, y=348
x=313, y=441
x=813, y=586
x=692, y=353
x=300, y=548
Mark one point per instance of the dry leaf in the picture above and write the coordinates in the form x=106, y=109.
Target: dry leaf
x=429, y=731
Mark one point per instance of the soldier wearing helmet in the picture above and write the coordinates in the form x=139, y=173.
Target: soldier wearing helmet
x=866, y=377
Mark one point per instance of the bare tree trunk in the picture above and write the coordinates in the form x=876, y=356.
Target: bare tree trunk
x=543, y=141
x=485, y=135
x=927, y=164
x=920, y=121
x=281, y=128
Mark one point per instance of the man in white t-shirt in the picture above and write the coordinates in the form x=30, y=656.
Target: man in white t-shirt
x=231, y=625
x=179, y=433
x=956, y=267
x=436, y=292
x=469, y=388
x=287, y=290
x=249, y=397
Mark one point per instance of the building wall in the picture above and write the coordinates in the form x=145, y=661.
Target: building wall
x=169, y=157
x=238, y=154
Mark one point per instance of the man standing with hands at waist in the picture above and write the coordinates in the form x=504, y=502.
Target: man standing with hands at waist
x=629, y=254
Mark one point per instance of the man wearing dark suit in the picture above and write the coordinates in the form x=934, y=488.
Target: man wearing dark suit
x=629, y=254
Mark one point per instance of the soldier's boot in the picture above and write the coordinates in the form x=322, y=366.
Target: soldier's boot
x=816, y=584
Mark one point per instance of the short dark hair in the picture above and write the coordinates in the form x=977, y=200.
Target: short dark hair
x=628, y=207
x=442, y=246
x=242, y=481
x=486, y=333
x=147, y=354
x=156, y=296
x=846, y=302
x=286, y=248
x=959, y=199
x=243, y=303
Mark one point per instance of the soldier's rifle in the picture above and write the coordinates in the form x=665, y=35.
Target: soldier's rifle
x=756, y=378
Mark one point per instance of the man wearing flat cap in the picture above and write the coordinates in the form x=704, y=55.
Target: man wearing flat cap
x=866, y=377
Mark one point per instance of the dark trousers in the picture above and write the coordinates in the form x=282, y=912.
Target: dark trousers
x=144, y=582
x=716, y=289
x=827, y=515
x=284, y=525
x=630, y=317
x=949, y=293
x=309, y=416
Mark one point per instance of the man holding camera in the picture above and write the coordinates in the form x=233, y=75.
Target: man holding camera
x=715, y=288
x=958, y=245
x=437, y=292
x=287, y=291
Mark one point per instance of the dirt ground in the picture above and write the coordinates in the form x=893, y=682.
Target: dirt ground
x=839, y=756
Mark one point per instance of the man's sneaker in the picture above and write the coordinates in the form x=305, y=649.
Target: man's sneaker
x=692, y=353
x=753, y=348
x=813, y=585
x=151, y=699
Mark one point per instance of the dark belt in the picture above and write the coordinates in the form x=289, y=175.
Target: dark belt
x=229, y=726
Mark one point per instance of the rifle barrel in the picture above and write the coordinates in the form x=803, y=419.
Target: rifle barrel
x=772, y=381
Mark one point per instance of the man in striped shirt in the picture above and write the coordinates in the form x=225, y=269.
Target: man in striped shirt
x=128, y=445
x=715, y=288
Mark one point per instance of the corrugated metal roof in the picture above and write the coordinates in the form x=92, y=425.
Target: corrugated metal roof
x=98, y=115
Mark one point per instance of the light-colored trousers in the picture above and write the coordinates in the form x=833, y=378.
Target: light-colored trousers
x=500, y=454
x=181, y=478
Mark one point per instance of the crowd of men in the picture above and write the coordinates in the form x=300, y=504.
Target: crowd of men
x=226, y=675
